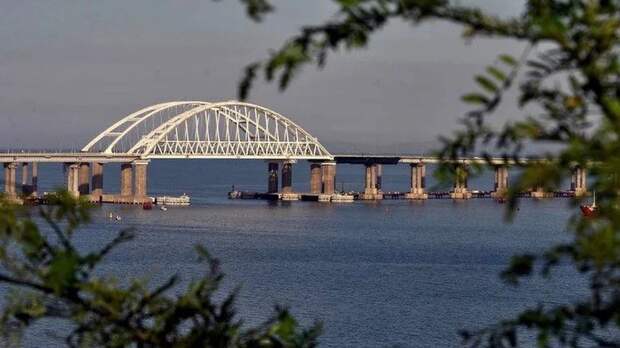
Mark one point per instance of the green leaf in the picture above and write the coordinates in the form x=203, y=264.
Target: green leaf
x=520, y=266
x=475, y=98
x=62, y=271
x=508, y=60
x=486, y=83
x=498, y=74
x=348, y=3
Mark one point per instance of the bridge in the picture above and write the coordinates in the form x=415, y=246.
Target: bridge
x=228, y=130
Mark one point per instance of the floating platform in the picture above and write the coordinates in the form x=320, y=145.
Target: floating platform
x=342, y=198
x=169, y=200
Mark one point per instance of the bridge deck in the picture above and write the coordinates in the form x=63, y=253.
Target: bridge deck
x=65, y=157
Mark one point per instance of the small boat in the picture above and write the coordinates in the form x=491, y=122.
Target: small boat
x=118, y=218
x=235, y=194
x=163, y=208
x=147, y=205
x=589, y=210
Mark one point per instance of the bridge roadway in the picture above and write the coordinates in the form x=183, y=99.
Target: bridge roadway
x=66, y=157
x=85, y=175
x=428, y=159
x=79, y=157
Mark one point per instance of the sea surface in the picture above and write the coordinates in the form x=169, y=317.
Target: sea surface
x=376, y=274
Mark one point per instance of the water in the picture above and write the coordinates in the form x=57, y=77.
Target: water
x=377, y=274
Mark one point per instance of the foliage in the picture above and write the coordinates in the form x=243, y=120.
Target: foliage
x=51, y=279
x=569, y=79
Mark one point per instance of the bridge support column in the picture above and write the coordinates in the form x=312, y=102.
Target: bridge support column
x=84, y=178
x=97, y=182
x=73, y=178
x=35, y=179
x=501, y=182
x=140, y=168
x=418, y=182
x=578, y=182
x=272, y=183
x=460, y=184
x=370, y=183
x=328, y=177
x=9, y=179
x=287, y=182
x=26, y=187
x=315, y=178
x=287, y=177
x=378, y=176
x=126, y=180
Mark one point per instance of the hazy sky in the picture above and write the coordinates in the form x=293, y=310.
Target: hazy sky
x=68, y=69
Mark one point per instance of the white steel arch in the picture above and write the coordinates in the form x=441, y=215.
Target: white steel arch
x=108, y=140
x=195, y=129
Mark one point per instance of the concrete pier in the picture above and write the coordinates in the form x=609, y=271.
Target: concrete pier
x=126, y=179
x=73, y=177
x=140, y=188
x=418, y=182
x=501, y=182
x=272, y=184
x=9, y=179
x=578, y=181
x=371, y=192
x=84, y=178
x=460, y=190
x=26, y=187
x=97, y=181
x=287, y=177
x=378, y=176
x=328, y=177
x=35, y=179
x=315, y=178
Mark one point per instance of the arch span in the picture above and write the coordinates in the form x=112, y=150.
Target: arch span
x=197, y=129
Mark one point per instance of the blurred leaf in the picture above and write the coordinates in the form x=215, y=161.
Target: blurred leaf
x=487, y=84
x=498, y=74
x=475, y=98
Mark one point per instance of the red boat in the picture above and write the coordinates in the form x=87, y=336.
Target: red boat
x=589, y=210
x=147, y=205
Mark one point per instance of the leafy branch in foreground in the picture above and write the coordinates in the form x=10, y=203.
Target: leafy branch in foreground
x=49, y=278
x=570, y=89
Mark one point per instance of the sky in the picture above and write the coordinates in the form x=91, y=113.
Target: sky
x=69, y=69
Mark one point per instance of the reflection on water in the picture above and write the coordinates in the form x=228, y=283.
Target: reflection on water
x=377, y=274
